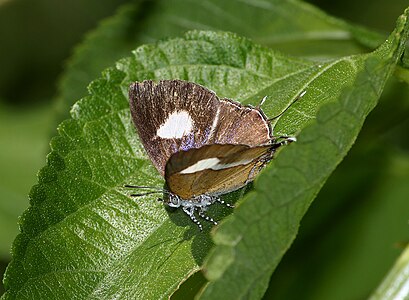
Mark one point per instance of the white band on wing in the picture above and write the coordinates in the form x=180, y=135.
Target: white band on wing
x=213, y=164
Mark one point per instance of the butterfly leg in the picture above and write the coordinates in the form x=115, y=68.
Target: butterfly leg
x=190, y=211
x=224, y=203
x=261, y=103
x=285, y=140
x=207, y=218
x=258, y=165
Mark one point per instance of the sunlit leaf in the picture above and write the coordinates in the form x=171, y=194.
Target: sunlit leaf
x=84, y=237
x=270, y=23
x=253, y=240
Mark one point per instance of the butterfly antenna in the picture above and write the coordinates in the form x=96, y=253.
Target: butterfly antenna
x=295, y=100
x=261, y=102
x=144, y=194
x=285, y=140
x=142, y=187
x=156, y=190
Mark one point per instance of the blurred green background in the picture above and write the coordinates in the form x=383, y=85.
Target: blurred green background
x=342, y=236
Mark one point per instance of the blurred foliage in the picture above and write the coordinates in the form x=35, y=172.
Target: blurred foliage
x=352, y=226
x=24, y=134
x=37, y=38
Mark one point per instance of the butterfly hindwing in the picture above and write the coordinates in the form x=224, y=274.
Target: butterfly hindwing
x=214, y=169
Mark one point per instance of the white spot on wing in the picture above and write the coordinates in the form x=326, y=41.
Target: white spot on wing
x=213, y=164
x=233, y=164
x=177, y=125
x=201, y=165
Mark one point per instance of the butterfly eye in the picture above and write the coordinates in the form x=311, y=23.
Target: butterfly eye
x=174, y=201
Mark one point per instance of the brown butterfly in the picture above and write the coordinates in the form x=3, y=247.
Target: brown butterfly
x=202, y=145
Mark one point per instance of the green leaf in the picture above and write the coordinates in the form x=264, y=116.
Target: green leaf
x=331, y=259
x=82, y=230
x=84, y=237
x=270, y=23
x=343, y=234
x=396, y=284
x=311, y=34
x=252, y=241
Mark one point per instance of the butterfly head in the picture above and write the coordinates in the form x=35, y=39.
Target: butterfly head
x=172, y=200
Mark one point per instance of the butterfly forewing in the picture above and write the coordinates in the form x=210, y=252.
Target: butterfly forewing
x=238, y=124
x=174, y=115
x=171, y=116
x=214, y=169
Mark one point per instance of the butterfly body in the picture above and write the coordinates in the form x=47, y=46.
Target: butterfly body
x=202, y=145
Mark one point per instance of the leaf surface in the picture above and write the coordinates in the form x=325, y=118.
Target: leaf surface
x=252, y=241
x=82, y=230
x=84, y=237
x=270, y=23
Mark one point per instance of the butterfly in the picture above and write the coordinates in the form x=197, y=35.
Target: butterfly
x=202, y=145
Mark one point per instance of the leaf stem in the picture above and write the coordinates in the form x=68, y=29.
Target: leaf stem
x=396, y=284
